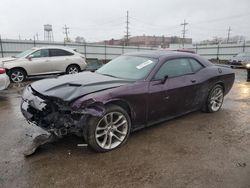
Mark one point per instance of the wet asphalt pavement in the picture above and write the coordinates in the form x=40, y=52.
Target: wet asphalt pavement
x=196, y=150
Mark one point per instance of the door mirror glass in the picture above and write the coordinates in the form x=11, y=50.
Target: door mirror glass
x=30, y=57
x=164, y=79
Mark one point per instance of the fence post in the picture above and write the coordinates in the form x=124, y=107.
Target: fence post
x=123, y=49
x=85, y=51
x=244, y=46
x=196, y=48
x=1, y=46
x=34, y=41
x=218, y=53
x=105, y=52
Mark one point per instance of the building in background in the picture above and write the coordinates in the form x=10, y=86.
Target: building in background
x=79, y=39
x=147, y=41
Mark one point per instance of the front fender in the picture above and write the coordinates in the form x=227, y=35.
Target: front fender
x=90, y=107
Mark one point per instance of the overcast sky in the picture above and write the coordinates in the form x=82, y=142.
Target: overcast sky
x=97, y=20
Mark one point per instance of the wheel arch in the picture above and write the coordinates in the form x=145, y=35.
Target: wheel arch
x=71, y=65
x=123, y=104
x=21, y=68
x=219, y=83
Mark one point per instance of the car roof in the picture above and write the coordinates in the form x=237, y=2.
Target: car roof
x=163, y=54
x=53, y=47
x=160, y=54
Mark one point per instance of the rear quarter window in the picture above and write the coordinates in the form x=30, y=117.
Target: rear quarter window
x=196, y=66
x=59, y=52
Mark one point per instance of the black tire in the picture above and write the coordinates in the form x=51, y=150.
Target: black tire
x=95, y=122
x=17, y=75
x=73, y=69
x=214, y=100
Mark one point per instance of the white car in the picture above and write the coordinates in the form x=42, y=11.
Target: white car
x=240, y=60
x=4, y=79
x=43, y=61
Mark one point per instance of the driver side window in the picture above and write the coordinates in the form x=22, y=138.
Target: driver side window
x=174, y=68
x=41, y=53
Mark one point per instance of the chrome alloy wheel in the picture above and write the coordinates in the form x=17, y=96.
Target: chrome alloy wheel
x=17, y=76
x=111, y=130
x=216, y=99
x=73, y=70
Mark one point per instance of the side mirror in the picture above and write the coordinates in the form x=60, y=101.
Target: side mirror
x=30, y=57
x=163, y=80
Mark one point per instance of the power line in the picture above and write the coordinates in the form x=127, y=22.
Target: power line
x=184, y=24
x=66, y=32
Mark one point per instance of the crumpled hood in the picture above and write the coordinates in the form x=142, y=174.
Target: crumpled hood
x=70, y=87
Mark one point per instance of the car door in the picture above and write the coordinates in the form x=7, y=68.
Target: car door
x=177, y=94
x=38, y=62
x=60, y=59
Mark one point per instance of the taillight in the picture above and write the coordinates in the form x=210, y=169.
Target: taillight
x=2, y=71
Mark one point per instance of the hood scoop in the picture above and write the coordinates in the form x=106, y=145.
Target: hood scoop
x=75, y=85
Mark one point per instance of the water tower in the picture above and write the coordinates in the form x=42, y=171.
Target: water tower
x=48, y=33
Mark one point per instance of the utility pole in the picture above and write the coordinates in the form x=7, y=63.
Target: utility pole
x=66, y=32
x=127, y=30
x=184, y=24
x=228, y=34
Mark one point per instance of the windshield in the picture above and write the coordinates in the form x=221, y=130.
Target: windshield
x=128, y=67
x=24, y=53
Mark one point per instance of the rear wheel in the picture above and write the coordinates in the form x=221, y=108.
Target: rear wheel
x=17, y=75
x=110, y=131
x=72, y=69
x=215, y=99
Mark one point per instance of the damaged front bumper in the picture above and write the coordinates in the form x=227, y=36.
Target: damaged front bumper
x=55, y=116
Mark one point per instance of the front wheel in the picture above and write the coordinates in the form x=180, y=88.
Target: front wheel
x=110, y=131
x=215, y=99
x=72, y=69
x=17, y=75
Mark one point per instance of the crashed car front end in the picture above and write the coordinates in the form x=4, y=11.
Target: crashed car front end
x=55, y=116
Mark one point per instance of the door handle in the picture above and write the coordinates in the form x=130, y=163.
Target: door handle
x=193, y=81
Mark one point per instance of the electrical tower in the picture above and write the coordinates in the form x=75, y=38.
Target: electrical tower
x=184, y=24
x=228, y=34
x=48, y=33
x=127, y=30
x=66, y=32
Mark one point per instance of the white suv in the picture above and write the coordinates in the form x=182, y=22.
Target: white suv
x=42, y=61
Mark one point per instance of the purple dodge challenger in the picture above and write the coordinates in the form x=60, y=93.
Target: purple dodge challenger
x=133, y=91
